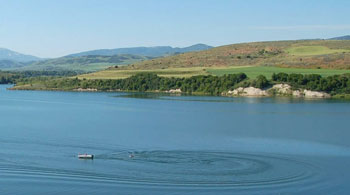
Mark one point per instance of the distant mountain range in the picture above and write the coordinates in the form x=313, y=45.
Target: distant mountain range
x=6, y=54
x=90, y=60
x=145, y=51
x=10, y=64
x=166, y=56
x=347, y=37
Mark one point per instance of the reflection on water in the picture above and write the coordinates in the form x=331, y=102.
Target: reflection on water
x=187, y=97
x=180, y=144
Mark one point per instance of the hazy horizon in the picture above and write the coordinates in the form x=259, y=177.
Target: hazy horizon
x=52, y=29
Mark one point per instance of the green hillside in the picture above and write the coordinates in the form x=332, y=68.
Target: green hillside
x=313, y=50
x=84, y=63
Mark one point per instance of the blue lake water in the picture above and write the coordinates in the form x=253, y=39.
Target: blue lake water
x=181, y=144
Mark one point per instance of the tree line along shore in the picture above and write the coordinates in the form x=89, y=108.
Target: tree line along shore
x=230, y=84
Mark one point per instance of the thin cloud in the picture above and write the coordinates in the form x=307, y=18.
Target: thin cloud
x=303, y=27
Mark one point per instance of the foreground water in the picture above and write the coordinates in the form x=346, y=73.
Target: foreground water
x=181, y=144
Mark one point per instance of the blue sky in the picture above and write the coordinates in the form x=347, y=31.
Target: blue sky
x=53, y=28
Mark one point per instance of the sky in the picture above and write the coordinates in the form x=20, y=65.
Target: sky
x=54, y=28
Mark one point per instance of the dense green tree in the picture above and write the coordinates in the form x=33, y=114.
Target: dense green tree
x=260, y=82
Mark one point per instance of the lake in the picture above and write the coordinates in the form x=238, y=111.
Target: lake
x=180, y=144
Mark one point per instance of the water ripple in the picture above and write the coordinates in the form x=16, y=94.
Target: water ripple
x=187, y=168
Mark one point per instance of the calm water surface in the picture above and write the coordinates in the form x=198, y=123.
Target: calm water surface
x=181, y=144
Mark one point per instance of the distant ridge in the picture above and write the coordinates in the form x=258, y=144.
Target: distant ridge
x=315, y=53
x=297, y=54
x=8, y=55
x=4, y=64
x=347, y=37
x=84, y=63
x=91, y=60
x=144, y=51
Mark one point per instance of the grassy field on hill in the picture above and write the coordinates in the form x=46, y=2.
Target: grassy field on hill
x=251, y=71
x=122, y=74
x=313, y=50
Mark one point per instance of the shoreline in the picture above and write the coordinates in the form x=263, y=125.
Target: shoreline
x=261, y=93
x=239, y=85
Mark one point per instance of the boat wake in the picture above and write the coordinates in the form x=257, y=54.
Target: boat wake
x=185, y=168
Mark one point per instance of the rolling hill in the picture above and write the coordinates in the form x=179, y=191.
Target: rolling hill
x=84, y=63
x=145, y=51
x=347, y=37
x=91, y=60
x=301, y=54
x=313, y=54
x=10, y=64
x=6, y=54
x=318, y=56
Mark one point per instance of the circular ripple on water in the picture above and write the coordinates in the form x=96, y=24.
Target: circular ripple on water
x=207, y=168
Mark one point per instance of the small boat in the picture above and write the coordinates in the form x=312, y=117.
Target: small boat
x=85, y=156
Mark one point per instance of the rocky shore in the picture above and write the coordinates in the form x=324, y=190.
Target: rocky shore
x=276, y=90
x=84, y=90
x=174, y=91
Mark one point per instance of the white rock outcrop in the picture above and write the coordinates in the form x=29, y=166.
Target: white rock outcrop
x=249, y=91
x=297, y=93
x=174, y=91
x=279, y=90
x=87, y=89
x=315, y=94
x=283, y=89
